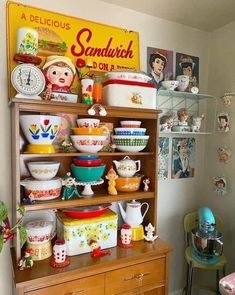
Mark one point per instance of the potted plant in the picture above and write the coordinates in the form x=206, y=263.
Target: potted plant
x=6, y=231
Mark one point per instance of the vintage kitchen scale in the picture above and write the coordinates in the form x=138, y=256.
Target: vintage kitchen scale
x=206, y=239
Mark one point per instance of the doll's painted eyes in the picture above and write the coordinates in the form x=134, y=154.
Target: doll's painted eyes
x=66, y=73
x=54, y=73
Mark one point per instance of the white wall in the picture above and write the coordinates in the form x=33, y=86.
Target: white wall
x=176, y=197
x=221, y=80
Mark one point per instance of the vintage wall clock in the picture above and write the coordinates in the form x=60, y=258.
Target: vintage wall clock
x=28, y=80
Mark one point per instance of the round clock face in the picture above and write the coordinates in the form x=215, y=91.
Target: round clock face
x=28, y=80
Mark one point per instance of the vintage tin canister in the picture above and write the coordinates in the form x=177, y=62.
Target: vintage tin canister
x=124, y=93
x=78, y=232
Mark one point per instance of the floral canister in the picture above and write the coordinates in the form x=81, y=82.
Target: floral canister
x=77, y=233
x=27, y=41
x=40, y=251
x=39, y=231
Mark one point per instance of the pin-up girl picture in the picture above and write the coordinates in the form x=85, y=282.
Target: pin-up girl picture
x=159, y=65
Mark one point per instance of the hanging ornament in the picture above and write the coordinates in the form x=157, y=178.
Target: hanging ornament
x=223, y=120
x=224, y=154
x=220, y=185
x=226, y=98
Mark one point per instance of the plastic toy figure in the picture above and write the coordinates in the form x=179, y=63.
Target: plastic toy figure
x=59, y=72
x=96, y=250
x=146, y=183
x=70, y=188
x=150, y=237
x=26, y=261
x=112, y=176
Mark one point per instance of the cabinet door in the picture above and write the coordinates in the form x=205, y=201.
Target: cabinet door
x=93, y=285
x=136, y=279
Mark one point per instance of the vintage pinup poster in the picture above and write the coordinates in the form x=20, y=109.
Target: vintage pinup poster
x=159, y=65
x=188, y=65
x=163, y=157
x=183, y=157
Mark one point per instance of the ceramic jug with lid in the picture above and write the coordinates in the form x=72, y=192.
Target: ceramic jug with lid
x=133, y=215
x=127, y=167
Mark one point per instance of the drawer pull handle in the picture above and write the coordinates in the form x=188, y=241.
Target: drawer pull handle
x=75, y=292
x=138, y=276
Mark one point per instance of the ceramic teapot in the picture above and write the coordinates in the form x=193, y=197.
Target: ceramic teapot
x=133, y=215
x=127, y=167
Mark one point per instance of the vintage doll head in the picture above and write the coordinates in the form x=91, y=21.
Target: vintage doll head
x=59, y=72
x=182, y=115
x=166, y=122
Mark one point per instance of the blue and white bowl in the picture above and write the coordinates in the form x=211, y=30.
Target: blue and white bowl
x=130, y=131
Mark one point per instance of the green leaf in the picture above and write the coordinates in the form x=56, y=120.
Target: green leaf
x=48, y=128
x=23, y=235
x=3, y=211
x=1, y=243
x=21, y=210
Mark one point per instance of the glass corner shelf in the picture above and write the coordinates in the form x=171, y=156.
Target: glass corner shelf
x=180, y=94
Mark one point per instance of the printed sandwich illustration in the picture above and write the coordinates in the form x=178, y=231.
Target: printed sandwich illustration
x=50, y=43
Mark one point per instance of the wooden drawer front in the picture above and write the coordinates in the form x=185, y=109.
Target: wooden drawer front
x=137, y=276
x=88, y=286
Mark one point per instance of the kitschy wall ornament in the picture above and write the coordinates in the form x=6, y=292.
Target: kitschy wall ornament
x=224, y=154
x=223, y=121
x=220, y=185
x=227, y=98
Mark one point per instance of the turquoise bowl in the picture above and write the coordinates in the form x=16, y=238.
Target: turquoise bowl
x=87, y=174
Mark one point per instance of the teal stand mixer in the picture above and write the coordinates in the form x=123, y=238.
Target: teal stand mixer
x=206, y=239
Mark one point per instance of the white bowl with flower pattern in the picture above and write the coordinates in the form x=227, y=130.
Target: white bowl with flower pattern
x=40, y=129
x=88, y=143
x=43, y=170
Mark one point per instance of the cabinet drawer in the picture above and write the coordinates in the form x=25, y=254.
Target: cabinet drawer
x=139, y=276
x=93, y=285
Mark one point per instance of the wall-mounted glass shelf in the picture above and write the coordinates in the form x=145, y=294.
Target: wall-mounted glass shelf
x=181, y=94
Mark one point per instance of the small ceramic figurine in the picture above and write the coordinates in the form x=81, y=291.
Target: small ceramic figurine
x=166, y=123
x=59, y=72
x=182, y=117
x=196, y=123
x=224, y=154
x=149, y=237
x=223, y=121
x=96, y=250
x=112, y=176
x=146, y=183
x=220, y=185
x=66, y=146
x=226, y=98
x=26, y=261
x=70, y=188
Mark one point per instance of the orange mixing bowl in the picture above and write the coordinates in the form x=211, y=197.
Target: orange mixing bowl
x=88, y=131
x=128, y=184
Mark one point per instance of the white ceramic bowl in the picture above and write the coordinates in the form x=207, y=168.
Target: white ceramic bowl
x=128, y=75
x=130, y=124
x=43, y=170
x=170, y=85
x=130, y=143
x=40, y=129
x=87, y=122
x=88, y=143
x=42, y=190
x=39, y=231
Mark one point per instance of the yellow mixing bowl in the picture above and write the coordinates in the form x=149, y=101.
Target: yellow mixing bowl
x=40, y=149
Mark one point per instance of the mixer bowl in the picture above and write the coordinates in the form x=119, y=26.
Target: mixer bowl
x=207, y=244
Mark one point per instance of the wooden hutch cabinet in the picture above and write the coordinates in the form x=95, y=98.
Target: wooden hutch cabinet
x=142, y=269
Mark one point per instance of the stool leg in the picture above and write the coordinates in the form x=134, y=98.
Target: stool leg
x=224, y=270
x=190, y=279
x=217, y=282
x=187, y=276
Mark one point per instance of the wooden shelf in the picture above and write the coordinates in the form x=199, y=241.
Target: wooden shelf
x=86, y=201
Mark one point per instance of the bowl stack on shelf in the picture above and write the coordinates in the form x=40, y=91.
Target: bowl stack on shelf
x=130, y=137
x=88, y=137
x=43, y=185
